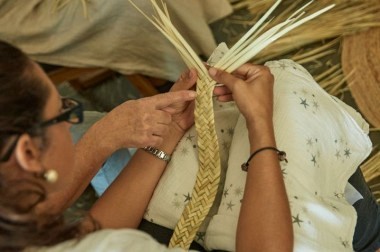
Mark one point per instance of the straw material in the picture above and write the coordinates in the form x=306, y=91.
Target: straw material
x=208, y=176
x=347, y=17
x=332, y=78
x=361, y=55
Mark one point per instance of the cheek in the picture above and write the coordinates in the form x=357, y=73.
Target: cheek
x=60, y=156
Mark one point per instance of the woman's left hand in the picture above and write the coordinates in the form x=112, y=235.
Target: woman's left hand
x=183, y=112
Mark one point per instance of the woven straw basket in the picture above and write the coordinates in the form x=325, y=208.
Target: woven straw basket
x=361, y=58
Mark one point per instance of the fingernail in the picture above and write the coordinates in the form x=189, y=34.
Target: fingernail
x=212, y=71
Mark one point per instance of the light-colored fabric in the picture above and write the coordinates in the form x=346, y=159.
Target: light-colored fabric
x=324, y=146
x=325, y=141
x=109, y=241
x=351, y=194
x=176, y=184
x=115, y=35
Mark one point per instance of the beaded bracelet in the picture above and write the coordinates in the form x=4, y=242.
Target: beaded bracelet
x=281, y=156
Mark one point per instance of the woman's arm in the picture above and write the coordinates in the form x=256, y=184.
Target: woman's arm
x=124, y=202
x=135, y=123
x=265, y=220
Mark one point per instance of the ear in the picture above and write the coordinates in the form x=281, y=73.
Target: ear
x=28, y=154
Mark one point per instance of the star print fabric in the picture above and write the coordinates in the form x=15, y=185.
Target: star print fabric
x=325, y=141
x=174, y=189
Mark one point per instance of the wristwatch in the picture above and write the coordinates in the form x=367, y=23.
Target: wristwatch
x=158, y=153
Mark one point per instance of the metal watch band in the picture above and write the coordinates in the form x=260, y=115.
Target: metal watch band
x=158, y=153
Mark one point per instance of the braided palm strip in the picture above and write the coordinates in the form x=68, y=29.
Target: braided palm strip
x=246, y=48
x=208, y=175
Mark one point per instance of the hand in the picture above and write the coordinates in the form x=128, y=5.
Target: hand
x=251, y=86
x=142, y=122
x=183, y=113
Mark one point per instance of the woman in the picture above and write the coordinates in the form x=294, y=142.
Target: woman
x=36, y=146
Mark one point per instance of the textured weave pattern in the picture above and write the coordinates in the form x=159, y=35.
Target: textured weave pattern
x=208, y=175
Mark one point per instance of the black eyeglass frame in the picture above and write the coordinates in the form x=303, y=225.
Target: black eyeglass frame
x=77, y=108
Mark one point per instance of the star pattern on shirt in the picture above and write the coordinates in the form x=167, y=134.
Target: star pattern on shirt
x=309, y=142
x=338, y=195
x=177, y=204
x=189, y=137
x=345, y=243
x=184, y=151
x=225, y=193
x=200, y=236
x=230, y=131
x=314, y=159
x=297, y=220
x=225, y=145
x=304, y=103
x=230, y=205
x=337, y=154
x=187, y=197
x=347, y=153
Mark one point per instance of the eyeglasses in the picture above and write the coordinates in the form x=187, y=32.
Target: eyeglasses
x=72, y=113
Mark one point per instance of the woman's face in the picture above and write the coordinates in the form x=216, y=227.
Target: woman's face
x=58, y=148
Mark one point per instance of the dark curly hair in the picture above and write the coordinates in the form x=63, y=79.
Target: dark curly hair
x=22, y=101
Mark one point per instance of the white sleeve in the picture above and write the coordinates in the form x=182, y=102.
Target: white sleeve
x=110, y=241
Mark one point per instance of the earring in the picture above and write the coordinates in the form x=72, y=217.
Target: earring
x=50, y=176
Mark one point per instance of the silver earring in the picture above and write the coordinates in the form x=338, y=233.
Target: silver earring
x=50, y=176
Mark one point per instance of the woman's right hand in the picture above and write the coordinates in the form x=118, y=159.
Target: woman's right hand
x=142, y=122
x=251, y=86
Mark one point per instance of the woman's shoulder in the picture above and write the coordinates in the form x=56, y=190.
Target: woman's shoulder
x=108, y=240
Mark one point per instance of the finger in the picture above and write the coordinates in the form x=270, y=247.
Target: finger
x=218, y=91
x=223, y=77
x=186, y=81
x=248, y=70
x=164, y=100
x=225, y=98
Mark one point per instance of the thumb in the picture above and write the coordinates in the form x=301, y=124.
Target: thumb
x=223, y=77
x=167, y=99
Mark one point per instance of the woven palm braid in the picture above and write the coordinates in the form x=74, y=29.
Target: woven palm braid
x=247, y=47
x=208, y=175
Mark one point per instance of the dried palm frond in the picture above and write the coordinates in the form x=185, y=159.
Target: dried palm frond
x=60, y=4
x=306, y=55
x=332, y=79
x=259, y=6
x=346, y=18
x=371, y=172
x=208, y=176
